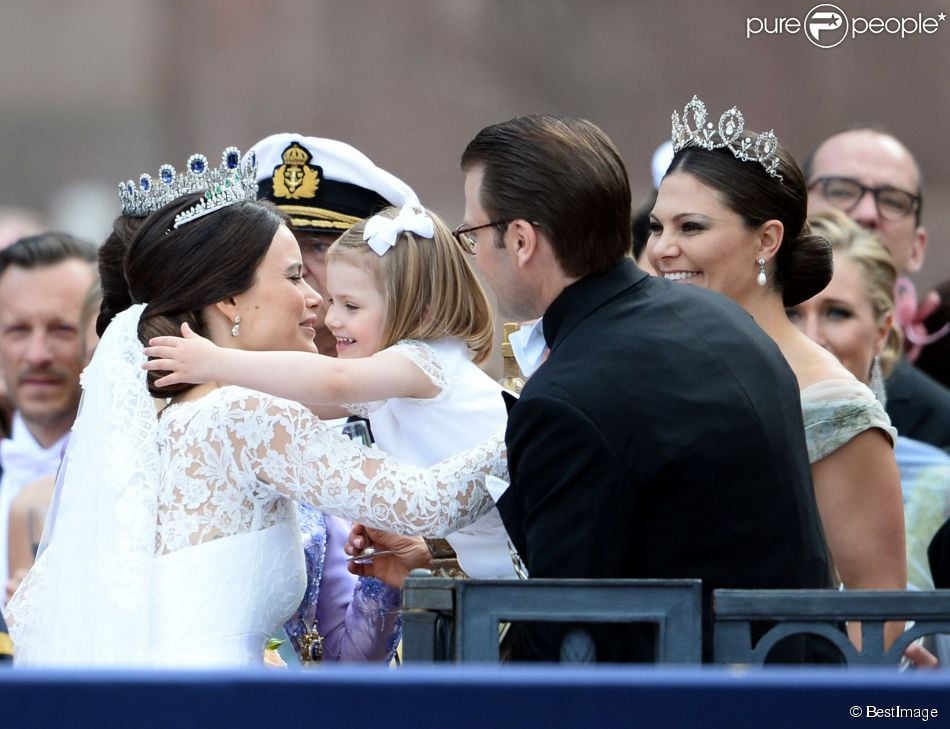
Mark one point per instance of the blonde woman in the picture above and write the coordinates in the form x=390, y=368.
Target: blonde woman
x=853, y=319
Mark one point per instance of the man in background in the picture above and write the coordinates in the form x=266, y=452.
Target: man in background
x=15, y=223
x=44, y=280
x=870, y=175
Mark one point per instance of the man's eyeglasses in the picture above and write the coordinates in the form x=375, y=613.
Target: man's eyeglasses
x=463, y=234
x=844, y=193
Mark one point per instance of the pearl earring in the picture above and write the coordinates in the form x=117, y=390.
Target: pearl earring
x=236, y=329
x=761, y=278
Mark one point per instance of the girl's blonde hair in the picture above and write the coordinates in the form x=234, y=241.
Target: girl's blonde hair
x=877, y=268
x=428, y=285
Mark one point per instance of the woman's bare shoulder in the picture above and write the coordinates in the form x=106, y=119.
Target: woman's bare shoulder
x=812, y=364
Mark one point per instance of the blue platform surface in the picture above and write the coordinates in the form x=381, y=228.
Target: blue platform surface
x=477, y=696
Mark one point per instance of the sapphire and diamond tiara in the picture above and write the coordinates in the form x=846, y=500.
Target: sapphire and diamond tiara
x=232, y=181
x=696, y=131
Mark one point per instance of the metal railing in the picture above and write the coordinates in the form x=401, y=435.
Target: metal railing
x=458, y=620
x=819, y=613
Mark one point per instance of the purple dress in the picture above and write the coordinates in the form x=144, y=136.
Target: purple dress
x=356, y=619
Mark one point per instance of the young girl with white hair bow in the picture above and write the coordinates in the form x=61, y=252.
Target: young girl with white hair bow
x=412, y=323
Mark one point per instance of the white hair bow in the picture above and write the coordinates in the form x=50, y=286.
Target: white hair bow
x=381, y=232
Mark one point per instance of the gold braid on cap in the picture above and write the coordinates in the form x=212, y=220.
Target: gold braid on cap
x=694, y=130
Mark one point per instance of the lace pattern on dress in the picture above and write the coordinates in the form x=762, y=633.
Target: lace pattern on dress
x=426, y=358
x=235, y=458
x=423, y=356
x=229, y=463
x=93, y=573
x=313, y=534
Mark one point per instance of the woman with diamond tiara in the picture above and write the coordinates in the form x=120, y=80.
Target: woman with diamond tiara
x=411, y=323
x=174, y=533
x=341, y=618
x=730, y=216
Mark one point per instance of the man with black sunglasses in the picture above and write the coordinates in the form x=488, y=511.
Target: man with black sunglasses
x=869, y=174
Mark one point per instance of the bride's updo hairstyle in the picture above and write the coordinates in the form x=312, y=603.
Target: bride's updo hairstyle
x=178, y=272
x=803, y=264
x=111, y=274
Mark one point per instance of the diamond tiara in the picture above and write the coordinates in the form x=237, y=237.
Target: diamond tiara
x=145, y=198
x=727, y=134
x=232, y=181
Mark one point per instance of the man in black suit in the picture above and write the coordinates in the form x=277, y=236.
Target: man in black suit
x=874, y=178
x=662, y=437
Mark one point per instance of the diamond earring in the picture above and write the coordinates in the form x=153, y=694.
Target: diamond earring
x=761, y=278
x=236, y=329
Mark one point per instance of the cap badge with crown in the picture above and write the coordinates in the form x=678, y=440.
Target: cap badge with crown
x=296, y=179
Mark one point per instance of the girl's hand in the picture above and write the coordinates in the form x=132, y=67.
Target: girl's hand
x=189, y=358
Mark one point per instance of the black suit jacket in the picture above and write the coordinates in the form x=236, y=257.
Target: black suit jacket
x=662, y=438
x=918, y=405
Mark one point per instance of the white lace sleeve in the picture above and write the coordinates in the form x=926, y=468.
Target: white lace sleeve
x=363, y=409
x=426, y=358
x=422, y=356
x=296, y=454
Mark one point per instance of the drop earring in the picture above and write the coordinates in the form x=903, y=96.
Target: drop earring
x=236, y=329
x=761, y=278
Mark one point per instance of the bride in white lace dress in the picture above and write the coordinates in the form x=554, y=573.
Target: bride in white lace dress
x=175, y=540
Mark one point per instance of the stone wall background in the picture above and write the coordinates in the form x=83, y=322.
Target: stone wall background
x=93, y=91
